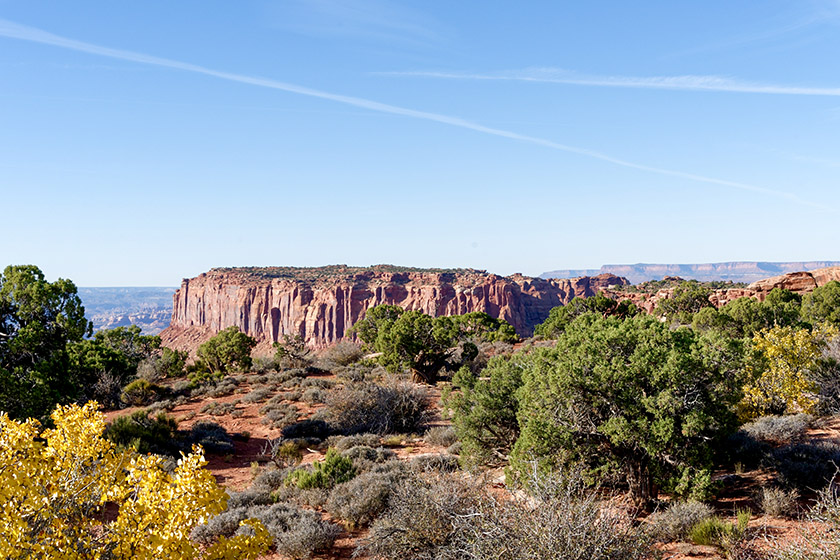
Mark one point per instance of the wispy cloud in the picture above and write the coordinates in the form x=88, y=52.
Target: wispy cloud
x=687, y=82
x=14, y=30
x=377, y=19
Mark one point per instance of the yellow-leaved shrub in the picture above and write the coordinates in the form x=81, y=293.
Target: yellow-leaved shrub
x=783, y=382
x=68, y=494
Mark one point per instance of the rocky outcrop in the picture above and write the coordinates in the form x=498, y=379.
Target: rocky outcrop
x=320, y=304
x=797, y=282
x=648, y=302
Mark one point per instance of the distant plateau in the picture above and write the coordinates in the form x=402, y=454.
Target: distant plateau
x=736, y=271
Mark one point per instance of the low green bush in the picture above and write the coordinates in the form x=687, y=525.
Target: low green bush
x=140, y=393
x=168, y=363
x=484, y=410
x=171, y=363
x=145, y=434
x=714, y=531
x=334, y=469
x=200, y=375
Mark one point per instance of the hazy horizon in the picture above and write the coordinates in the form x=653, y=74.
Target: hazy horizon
x=544, y=274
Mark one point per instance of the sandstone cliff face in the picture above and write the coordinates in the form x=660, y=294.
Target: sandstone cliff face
x=320, y=304
x=799, y=282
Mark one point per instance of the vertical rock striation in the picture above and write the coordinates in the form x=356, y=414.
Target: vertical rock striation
x=320, y=304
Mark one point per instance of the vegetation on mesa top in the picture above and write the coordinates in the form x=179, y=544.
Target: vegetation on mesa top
x=653, y=286
x=330, y=272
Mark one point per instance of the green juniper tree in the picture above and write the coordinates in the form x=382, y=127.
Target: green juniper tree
x=227, y=350
x=423, y=344
x=37, y=321
x=632, y=397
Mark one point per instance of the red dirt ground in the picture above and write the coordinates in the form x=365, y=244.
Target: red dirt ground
x=235, y=472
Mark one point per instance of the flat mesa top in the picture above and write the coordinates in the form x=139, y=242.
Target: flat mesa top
x=333, y=271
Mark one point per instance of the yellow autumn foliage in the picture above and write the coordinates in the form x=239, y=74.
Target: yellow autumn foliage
x=784, y=382
x=68, y=494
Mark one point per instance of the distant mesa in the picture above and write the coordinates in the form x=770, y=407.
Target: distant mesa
x=148, y=308
x=320, y=304
x=745, y=272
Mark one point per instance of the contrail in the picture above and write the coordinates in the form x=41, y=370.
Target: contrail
x=685, y=83
x=14, y=30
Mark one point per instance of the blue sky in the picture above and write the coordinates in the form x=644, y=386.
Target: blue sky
x=145, y=142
